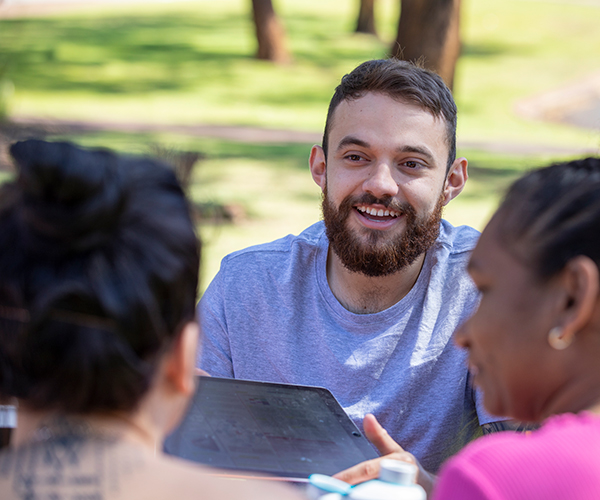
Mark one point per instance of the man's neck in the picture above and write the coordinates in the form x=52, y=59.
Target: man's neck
x=362, y=294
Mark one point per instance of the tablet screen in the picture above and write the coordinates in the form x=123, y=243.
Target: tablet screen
x=275, y=429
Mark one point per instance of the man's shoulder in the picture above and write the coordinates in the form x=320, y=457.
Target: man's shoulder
x=448, y=260
x=457, y=239
x=286, y=251
x=309, y=239
x=259, y=279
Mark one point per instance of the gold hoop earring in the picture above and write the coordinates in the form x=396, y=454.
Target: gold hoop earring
x=556, y=341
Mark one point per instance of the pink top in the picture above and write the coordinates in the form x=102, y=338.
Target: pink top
x=561, y=460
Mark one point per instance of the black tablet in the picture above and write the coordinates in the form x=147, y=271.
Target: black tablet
x=282, y=430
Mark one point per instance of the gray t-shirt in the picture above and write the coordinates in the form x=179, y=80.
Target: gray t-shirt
x=270, y=315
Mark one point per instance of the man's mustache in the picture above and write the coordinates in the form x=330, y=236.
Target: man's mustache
x=388, y=202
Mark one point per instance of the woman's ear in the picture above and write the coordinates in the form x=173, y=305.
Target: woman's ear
x=180, y=369
x=581, y=287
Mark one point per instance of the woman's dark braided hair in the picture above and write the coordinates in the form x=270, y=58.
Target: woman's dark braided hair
x=552, y=214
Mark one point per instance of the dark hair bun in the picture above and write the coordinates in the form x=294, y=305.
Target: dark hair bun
x=98, y=274
x=69, y=193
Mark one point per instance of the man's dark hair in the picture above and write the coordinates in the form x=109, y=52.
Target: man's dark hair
x=98, y=275
x=552, y=215
x=403, y=81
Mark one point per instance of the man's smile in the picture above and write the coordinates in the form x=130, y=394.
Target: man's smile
x=377, y=214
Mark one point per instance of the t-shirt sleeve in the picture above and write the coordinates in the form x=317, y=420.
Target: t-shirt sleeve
x=460, y=480
x=214, y=352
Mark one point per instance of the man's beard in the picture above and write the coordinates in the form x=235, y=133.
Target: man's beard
x=378, y=254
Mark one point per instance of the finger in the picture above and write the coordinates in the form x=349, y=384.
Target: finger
x=360, y=472
x=379, y=436
x=370, y=468
x=202, y=373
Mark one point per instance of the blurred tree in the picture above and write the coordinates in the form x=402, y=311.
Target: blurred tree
x=270, y=34
x=366, y=17
x=428, y=30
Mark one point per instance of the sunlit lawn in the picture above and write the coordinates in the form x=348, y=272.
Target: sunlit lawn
x=192, y=63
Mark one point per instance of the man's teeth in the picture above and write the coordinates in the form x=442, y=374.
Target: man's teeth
x=378, y=213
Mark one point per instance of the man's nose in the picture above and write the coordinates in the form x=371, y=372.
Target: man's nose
x=381, y=182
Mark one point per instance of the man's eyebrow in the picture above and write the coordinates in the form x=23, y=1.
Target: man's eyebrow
x=351, y=140
x=418, y=150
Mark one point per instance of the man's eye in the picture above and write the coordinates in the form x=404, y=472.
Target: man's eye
x=412, y=164
x=354, y=157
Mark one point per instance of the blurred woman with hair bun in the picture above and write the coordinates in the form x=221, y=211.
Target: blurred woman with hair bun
x=98, y=279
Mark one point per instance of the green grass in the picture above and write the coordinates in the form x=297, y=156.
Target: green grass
x=5, y=176
x=188, y=63
x=516, y=49
x=193, y=63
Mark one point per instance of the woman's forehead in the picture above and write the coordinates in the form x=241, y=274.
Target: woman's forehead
x=496, y=256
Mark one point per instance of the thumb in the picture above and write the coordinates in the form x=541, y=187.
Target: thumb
x=379, y=436
x=386, y=446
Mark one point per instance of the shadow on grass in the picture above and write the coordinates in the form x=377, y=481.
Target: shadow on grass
x=489, y=181
x=485, y=50
x=116, y=54
x=129, y=54
x=294, y=154
x=490, y=174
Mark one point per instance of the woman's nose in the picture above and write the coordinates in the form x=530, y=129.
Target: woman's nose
x=461, y=335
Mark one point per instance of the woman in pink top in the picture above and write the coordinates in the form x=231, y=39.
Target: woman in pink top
x=534, y=346
x=534, y=342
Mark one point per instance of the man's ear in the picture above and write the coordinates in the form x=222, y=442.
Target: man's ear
x=580, y=295
x=180, y=369
x=318, y=166
x=455, y=179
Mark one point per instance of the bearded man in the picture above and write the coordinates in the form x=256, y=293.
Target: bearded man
x=366, y=301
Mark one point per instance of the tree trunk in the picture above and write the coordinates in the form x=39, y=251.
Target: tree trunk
x=366, y=18
x=270, y=34
x=428, y=30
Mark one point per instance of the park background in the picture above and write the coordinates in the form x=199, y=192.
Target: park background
x=180, y=80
